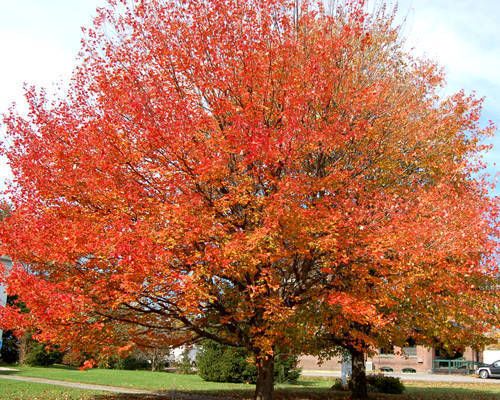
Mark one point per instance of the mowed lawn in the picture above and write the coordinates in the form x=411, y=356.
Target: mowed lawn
x=155, y=381
x=314, y=389
x=12, y=390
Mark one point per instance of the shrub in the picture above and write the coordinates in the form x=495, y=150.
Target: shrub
x=74, y=358
x=285, y=369
x=218, y=363
x=385, y=384
x=37, y=354
x=131, y=362
x=337, y=385
x=106, y=361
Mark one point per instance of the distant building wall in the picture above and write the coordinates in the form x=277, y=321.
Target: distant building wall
x=312, y=363
x=420, y=358
x=421, y=361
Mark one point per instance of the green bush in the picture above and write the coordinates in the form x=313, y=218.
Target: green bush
x=131, y=362
x=337, y=385
x=385, y=384
x=38, y=355
x=285, y=369
x=218, y=363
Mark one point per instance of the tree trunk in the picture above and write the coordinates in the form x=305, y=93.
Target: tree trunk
x=358, y=379
x=24, y=344
x=265, y=378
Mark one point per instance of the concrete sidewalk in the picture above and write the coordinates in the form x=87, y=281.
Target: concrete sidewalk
x=411, y=377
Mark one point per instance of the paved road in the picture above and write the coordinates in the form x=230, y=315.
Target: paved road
x=413, y=377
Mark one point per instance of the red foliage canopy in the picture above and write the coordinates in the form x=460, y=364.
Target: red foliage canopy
x=217, y=167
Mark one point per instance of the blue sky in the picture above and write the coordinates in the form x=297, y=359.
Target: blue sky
x=39, y=40
x=464, y=37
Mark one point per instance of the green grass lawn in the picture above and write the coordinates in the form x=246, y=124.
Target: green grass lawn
x=441, y=390
x=315, y=389
x=12, y=390
x=133, y=379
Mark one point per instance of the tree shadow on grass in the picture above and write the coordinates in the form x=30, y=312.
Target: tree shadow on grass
x=14, y=369
x=280, y=394
x=8, y=372
x=302, y=384
x=313, y=394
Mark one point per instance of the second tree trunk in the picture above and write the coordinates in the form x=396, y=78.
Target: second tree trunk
x=265, y=378
x=358, y=379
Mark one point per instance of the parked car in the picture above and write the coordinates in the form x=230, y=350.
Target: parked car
x=489, y=370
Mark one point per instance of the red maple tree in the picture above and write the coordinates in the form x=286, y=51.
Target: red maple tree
x=216, y=167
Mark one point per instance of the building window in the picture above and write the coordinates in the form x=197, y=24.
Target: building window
x=386, y=351
x=410, y=349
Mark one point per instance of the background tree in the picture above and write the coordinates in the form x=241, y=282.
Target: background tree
x=435, y=295
x=156, y=357
x=216, y=166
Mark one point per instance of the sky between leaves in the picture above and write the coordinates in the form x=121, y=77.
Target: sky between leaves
x=39, y=41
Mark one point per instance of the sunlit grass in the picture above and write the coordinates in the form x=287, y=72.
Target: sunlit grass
x=15, y=390
x=194, y=387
